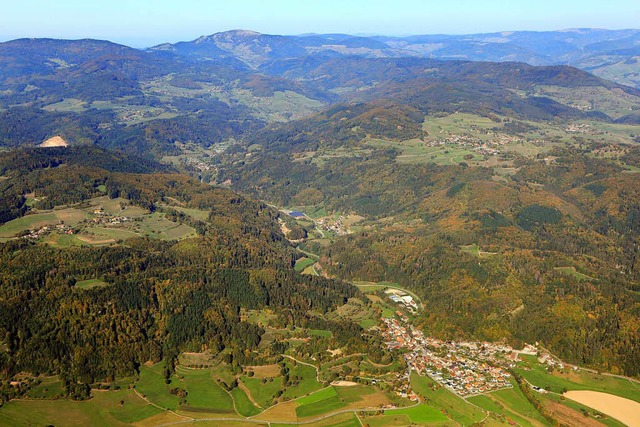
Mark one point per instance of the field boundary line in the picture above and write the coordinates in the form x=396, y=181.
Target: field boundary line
x=160, y=407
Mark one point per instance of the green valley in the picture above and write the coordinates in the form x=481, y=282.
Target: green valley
x=321, y=230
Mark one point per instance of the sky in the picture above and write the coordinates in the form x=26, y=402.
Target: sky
x=143, y=23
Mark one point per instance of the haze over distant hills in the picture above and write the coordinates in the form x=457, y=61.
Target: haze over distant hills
x=613, y=54
x=229, y=85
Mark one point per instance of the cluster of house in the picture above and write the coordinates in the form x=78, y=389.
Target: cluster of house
x=336, y=226
x=402, y=299
x=102, y=217
x=136, y=115
x=43, y=231
x=405, y=390
x=199, y=164
x=479, y=146
x=580, y=128
x=547, y=359
x=497, y=139
x=486, y=150
x=465, y=368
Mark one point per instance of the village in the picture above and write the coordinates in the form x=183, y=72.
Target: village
x=465, y=368
x=104, y=218
x=198, y=164
x=47, y=229
x=487, y=148
x=580, y=128
x=99, y=217
x=336, y=226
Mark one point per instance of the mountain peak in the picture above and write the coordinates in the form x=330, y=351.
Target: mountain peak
x=242, y=33
x=228, y=35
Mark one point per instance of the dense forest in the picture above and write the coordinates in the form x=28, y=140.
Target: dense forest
x=556, y=263
x=159, y=297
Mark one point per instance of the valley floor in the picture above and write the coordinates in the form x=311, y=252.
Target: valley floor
x=445, y=383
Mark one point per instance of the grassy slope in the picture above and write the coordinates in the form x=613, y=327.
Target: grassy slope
x=321, y=402
x=455, y=407
x=204, y=393
x=512, y=404
x=243, y=404
x=104, y=409
x=307, y=385
x=421, y=414
x=263, y=394
x=152, y=386
x=581, y=380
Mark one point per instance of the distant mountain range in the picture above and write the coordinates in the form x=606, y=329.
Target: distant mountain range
x=229, y=85
x=613, y=54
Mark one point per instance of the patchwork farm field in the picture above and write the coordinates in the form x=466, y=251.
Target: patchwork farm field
x=512, y=404
x=97, y=222
x=417, y=151
x=481, y=141
x=70, y=216
x=569, y=411
x=155, y=401
x=212, y=393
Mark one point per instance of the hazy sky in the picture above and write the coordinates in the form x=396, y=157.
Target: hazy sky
x=142, y=23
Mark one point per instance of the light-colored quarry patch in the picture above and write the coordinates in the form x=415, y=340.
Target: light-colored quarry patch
x=56, y=141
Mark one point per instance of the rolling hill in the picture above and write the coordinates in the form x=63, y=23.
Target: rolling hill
x=535, y=164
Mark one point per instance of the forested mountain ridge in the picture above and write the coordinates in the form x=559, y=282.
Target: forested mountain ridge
x=551, y=212
x=91, y=92
x=155, y=297
x=608, y=53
